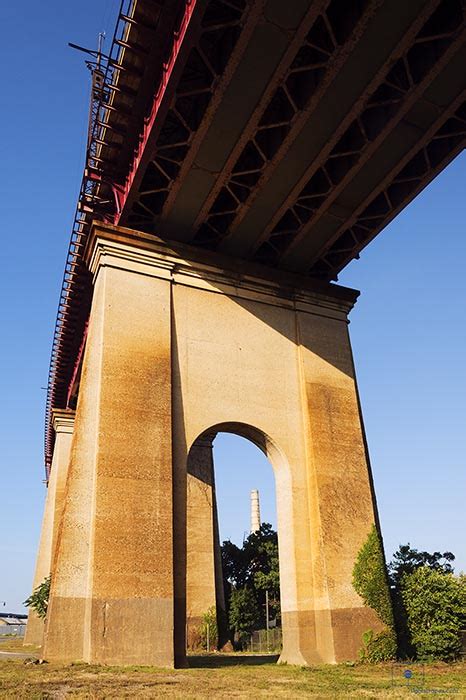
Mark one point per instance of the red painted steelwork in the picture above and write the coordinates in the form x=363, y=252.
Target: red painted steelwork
x=175, y=65
x=76, y=291
x=77, y=364
x=121, y=195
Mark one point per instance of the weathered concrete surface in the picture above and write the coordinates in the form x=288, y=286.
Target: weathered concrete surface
x=204, y=584
x=181, y=346
x=63, y=423
x=341, y=500
x=112, y=591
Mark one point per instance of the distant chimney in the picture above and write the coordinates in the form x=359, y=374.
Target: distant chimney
x=255, y=511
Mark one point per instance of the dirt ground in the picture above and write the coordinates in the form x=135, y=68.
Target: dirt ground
x=226, y=676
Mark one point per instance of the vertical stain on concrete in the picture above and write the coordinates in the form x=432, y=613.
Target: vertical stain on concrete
x=105, y=607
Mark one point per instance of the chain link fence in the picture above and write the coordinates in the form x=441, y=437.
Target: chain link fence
x=263, y=641
x=463, y=645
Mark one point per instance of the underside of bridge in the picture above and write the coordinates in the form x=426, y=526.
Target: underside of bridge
x=287, y=134
x=291, y=133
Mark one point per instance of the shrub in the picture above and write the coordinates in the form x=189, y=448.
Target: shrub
x=209, y=629
x=370, y=578
x=405, y=561
x=370, y=582
x=378, y=647
x=435, y=604
x=39, y=598
x=245, y=614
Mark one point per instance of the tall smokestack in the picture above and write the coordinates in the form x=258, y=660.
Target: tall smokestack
x=255, y=511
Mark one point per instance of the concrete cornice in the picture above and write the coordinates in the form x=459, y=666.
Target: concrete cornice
x=63, y=420
x=111, y=246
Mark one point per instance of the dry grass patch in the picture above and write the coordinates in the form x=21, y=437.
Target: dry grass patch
x=17, y=644
x=222, y=677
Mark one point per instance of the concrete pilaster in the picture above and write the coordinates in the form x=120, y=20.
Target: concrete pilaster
x=63, y=423
x=204, y=584
x=112, y=591
x=341, y=501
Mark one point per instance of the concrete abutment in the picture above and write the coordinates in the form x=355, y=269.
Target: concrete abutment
x=180, y=341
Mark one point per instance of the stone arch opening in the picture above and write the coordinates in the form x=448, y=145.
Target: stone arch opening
x=204, y=576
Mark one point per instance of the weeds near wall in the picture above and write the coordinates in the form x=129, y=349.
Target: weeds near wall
x=39, y=598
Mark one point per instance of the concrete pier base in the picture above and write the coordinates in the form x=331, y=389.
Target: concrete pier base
x=182, y=344
x=63, y=423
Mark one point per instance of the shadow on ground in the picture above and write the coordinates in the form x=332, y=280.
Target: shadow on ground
x=222, y=660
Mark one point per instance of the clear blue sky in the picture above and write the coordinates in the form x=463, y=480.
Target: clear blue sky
x=408, y=328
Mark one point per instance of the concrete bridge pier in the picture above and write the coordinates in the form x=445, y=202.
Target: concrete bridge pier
x=182, y=344
x=63, y=424
x=204, y=583
x=112, y=583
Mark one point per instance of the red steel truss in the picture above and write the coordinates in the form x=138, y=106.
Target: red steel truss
x=285, y=133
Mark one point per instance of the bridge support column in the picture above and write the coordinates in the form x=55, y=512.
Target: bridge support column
x=329, y=626
x=63, y=423
x=181, y=346
x=112, y=591
x=204, y=582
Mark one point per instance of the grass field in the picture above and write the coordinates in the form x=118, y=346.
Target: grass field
x=226, y=676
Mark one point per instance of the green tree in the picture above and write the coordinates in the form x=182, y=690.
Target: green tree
x=406, y=560
x=371, y=583
x=435, y=605
x=254, y=566
x=244, y=614
x=39, y=598
x=261, y=551
x=235, y=566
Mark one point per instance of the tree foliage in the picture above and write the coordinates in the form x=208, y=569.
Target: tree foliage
x=406, y=560
x=249, y=571
x=371, y=583
x=244, y=615
x=435, y=605
x=235, y=566
x=370, y=578
x=436, y=636
x=261, y=552
x=378, y=647
x=208, y=630
x=255, y=561
x=39, y=598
